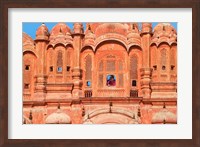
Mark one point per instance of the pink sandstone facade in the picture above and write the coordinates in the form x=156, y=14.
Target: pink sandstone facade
x=111, y=73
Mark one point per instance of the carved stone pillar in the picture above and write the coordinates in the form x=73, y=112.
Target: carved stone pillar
x=42, y=39
x=146, y=71
x=76, y=71
x=145, y=82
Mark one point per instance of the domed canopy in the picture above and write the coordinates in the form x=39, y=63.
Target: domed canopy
x=42, y=32
x=164, y=27
x=60, y=28
x=58, y=118
x=164, y=116
x=105, y=28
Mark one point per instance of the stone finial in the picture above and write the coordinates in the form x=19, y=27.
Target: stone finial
x=78, y=28
x=146, y=27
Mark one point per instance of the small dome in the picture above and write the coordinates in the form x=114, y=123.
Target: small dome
x=167, y=27
x=105, y=28
x=60, y=28
x=164, y=116
x=58, y=118
x=42, y=32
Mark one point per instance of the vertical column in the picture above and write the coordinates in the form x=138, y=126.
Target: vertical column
x=146, y=71
x=42, y=39
x=76, y=71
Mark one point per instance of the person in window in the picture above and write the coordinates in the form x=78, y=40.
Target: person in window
x=111, y=81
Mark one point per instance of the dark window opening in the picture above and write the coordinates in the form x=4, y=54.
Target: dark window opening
x=26, y=86
x=68, y=68
x=163, y=67
x=155, y=67
x=111, y=80
x=59, y=69
x=134, y=83
x=172, y=67
x=88, y=83
x=51, y=68
x=27, y=67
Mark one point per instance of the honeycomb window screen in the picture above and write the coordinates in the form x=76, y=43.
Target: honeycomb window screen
x=121, y=80
x=153, y=55
x=68, y=58
x=133, y=67
x=120, y=65
x=100, y=80
x=163, y=57
x=88, y=67
x=172, y=57
x=59, y=62
x=110, y=66
x=51, y=56
x=101, y=66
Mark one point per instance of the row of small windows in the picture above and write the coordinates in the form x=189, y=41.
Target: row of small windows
x=60, y=69
x=163, y=67
x=111, y=81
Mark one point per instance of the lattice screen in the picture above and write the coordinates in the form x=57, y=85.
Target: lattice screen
x=88, y=67
x=133, y=67
x=59, y=59
x=100, y=80
x=101, y=66
x=110, y=66
x=120, y=66
x=68, y=58
x=153, y=55
x=172, y=56
x=163, y=57
x=121, y=80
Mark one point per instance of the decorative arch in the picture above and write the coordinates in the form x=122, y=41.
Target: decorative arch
x=108, y=115
x=115, y=40
x=28, y=51
x=86, y=47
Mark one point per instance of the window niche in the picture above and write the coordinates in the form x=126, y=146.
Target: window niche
x=51, y=68
x=59, y=69
x=68, y=68
x=134, y=83
x=110, y=80
x=172, y=67
x=26, y=86
x=27, y=67
x=88, y=83
x=155, y=67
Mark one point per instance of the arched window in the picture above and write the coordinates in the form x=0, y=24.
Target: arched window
x=88, y=70
x=163, y=59
x=133, y=70
x=59, y=62
x=172, y=57
x=50, y=60
x=68, y=62
x=111, y=72
x=153, y=57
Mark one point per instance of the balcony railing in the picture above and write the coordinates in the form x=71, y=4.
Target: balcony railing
x=134, y=93
x=88, y=93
